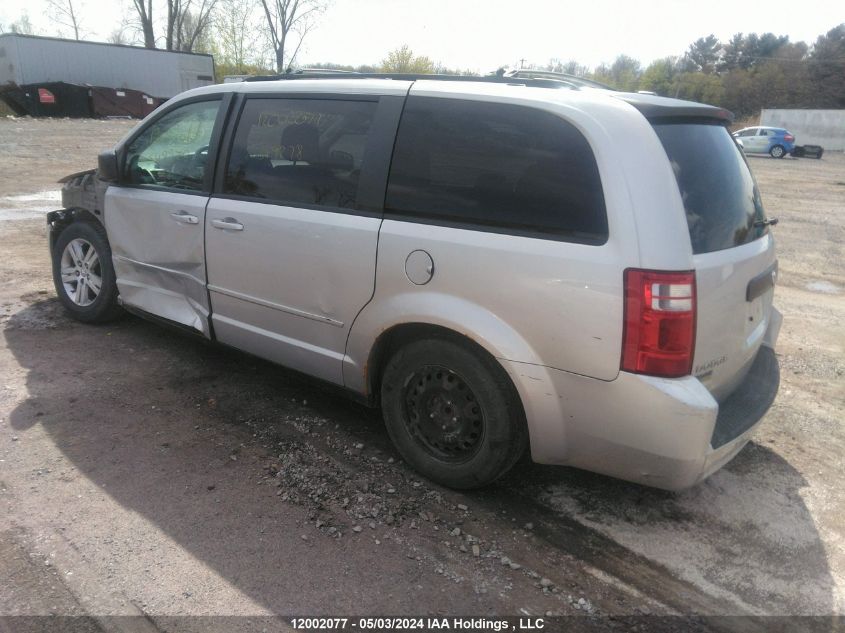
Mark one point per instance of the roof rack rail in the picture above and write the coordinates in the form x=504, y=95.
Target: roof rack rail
x=549, y=74
x=536, y=82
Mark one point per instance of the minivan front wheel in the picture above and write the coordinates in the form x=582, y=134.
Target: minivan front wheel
x=83, y=273
x=777, y=151
x=453, y=414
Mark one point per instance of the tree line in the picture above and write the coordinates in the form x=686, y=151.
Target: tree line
x=745, y=74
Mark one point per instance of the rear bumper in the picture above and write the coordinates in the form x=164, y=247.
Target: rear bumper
x=665, y=433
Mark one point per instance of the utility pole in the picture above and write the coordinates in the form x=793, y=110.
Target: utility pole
x=522, y=63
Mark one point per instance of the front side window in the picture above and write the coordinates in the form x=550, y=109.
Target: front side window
x=495, y=165
x=307, y=151
x=172, y=152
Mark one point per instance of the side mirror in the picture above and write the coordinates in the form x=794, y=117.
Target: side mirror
x=107, y=166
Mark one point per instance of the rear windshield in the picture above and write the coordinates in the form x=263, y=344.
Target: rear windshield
x=720, y=195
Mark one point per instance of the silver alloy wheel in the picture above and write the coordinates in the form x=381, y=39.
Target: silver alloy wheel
x=777, y=151
x=81, y=272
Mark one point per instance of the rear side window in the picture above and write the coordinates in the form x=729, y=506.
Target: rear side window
x=300, y=151
x=720, y=196
x=494, y=165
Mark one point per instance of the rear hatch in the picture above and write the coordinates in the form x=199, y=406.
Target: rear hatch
x=733, y=251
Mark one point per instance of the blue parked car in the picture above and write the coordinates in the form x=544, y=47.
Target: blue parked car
x=775, y=141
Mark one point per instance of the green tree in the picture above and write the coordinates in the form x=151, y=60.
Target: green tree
x=827, y=69
x=698, y=86
x=571, y=67
x=626, y=72
x=739, y=95
x=601, y=73
x=733, y=54
x=660, y=75
x=703, y=54
x=403, y=60
x=622, y=74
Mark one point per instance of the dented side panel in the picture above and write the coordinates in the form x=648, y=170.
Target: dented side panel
x=159, y=258
x=83, y=190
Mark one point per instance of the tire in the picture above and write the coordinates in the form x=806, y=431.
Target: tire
x=77, y=289
x=485, y=437
x=777, y=151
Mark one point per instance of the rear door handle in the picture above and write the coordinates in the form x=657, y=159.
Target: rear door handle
x=185, y=218
x=227, y=224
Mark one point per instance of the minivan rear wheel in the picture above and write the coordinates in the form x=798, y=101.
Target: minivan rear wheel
x=453, y=414
x=777, y=151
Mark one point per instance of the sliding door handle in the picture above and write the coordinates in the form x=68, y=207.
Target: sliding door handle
x=227, y=224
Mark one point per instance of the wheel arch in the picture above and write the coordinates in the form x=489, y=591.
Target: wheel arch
x=59, y=220
x=417, y=313
x=67, y=226
x=399, y=335
x=534, y=391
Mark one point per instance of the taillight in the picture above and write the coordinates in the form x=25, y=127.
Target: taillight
x=788, y=138
x=659, y=329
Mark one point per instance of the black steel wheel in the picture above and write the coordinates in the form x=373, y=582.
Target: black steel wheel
x=452, y=413
x=443, y=414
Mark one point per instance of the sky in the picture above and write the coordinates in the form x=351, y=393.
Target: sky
x=481, y=35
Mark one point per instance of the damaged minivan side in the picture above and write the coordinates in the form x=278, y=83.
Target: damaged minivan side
x=500, y=264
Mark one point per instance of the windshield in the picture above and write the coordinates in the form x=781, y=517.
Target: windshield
x=720, y=196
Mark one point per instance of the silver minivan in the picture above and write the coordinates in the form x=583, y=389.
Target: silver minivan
x=499, y=263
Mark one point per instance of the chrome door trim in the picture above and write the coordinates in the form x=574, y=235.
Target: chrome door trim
x=275, y=306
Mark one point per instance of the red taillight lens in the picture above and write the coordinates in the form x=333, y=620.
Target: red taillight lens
x=659, y=332
x=788, y=138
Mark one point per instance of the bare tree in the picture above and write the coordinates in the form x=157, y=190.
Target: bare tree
x=64, y=12
x=234, y=25
x=187, y=20
x=174, y=16
x=145, y=21
x=22, y=25
x=123, y=34
x=118, y=36
x=289, y=21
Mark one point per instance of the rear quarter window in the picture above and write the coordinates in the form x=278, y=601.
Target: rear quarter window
x=721, y=198
x=504, y=167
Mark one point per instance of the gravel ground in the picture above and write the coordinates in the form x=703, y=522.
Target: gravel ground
x=143, y=472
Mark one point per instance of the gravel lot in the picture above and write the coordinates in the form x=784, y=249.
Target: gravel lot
x=143, y=472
